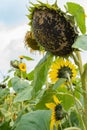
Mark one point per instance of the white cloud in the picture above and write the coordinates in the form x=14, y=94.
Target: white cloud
x=9, y=34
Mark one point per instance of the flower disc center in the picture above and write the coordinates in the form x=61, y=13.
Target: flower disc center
x=64, y=72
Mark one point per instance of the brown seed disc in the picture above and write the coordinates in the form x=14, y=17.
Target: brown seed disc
x=53, y=31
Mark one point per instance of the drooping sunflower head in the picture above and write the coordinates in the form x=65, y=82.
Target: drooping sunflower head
x=52, y=29
x=31, y=42
x=57, y=113
x=22, y=67
x=61, y=68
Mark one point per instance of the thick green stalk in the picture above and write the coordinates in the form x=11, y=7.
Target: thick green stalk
x=84, y=86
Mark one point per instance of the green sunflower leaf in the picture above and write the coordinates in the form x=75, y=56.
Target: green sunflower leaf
x=19, y=84
x=26, y=94
x=40, y=72
x=30, y=76
x=5, y=126
x=78, y=12
x=4, y=92
x=37, y=120
x=81, y=42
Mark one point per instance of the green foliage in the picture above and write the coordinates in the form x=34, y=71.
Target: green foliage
x=5, y=126
x=78, y=12
x=6, y=78
x=20, y=114
x=19, y=84
x=72, y=121
x=81, y=42
x=26, y=94
x=74, y=118
x=23, y=96
x=30, y=76
x=40, y=72
x=46, y=98
x=4, y=92
x=37, y=120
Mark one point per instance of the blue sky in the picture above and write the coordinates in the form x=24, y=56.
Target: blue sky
x=13, y=12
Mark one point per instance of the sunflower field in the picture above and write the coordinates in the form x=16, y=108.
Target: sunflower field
x=53, y=96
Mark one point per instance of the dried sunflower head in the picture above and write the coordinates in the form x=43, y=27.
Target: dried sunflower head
x=52, y=28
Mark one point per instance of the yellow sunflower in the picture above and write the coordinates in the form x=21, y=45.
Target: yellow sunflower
x=57, y=113
x=61, y=68
x=22, y=67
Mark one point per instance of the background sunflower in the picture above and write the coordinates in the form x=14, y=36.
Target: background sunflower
x=61, y=68
x=57, y=113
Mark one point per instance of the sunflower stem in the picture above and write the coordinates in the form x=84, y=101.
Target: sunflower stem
x=84, y=85
x=75, y=59
x=70, y=123
x=75, y=100
x=79, y=62
x=47, y=86
x=60, y=127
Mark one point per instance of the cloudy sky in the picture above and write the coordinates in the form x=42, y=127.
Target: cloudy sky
x=13, y=26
